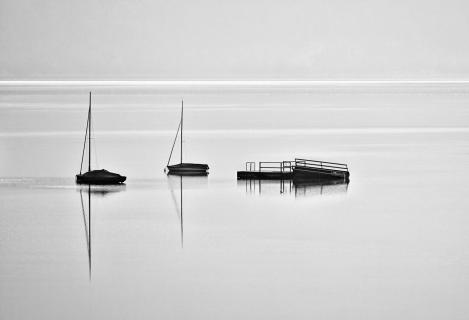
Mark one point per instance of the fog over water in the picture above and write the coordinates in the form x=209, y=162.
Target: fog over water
x=393, y=243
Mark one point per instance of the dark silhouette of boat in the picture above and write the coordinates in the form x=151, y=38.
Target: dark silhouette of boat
x=190, y=169
x=185, y=168
x=101, y=176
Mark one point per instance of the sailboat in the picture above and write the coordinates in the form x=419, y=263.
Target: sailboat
x=185, y=168
x=101, y=176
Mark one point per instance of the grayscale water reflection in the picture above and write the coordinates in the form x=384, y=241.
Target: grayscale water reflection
x=185, y=183
x=393, y=243
x=288, y=187
x=86, y=208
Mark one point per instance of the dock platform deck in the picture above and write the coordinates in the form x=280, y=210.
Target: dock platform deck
x=297, y=170
x=264, y=175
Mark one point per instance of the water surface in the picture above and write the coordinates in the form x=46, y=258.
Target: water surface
x=391, y=244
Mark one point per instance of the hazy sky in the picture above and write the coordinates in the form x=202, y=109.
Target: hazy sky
x=254, y=39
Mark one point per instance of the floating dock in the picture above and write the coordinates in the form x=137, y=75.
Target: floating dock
x=299, y=170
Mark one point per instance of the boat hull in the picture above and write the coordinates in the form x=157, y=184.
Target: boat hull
x=189, y=169
x=101, y=177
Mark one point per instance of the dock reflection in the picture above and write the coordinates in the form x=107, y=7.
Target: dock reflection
x=325, y=188
x=291, y=187
x=95, y=190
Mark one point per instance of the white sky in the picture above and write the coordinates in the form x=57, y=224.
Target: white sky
x=212, y=39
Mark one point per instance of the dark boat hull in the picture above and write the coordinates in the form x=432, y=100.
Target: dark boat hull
x=189, y=169
x=102, y=177
x=188, y=173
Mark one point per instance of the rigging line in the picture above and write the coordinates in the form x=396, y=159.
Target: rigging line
x=84, y=143
x=174, y=143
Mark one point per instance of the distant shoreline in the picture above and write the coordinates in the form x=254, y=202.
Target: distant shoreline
x=6, y=83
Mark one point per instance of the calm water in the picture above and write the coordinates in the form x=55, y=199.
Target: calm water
x=393, y=244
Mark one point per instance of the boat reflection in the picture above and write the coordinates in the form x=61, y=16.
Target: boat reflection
x=298, y=189
x=188, y=174
x=96, y=190
x=102, y=190
x=191, y=182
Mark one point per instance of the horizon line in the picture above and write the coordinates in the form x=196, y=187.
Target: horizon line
x=223, y=82
x=250, y=131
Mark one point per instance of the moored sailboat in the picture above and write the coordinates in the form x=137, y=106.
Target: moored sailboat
x=185, y=168
x=101, y=176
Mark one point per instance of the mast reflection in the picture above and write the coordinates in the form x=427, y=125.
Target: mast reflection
x=96, y=190
x=87, y=226
x=193, y=181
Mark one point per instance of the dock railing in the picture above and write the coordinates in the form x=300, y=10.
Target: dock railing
x=250, y=166
x=288, y=166
x=315, y=164
x=275, y=166
x=271, y=166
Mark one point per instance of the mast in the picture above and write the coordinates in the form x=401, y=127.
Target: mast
x=89, y=136
x=182, y=116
